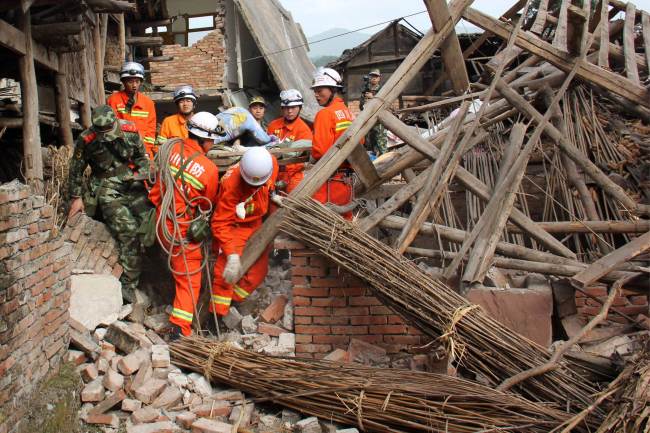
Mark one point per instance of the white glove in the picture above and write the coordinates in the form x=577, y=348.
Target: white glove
x=277, y=199
x=233, y=269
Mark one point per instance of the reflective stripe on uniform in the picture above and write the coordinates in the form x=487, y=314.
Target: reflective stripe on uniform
x=343, y=125
x=148, y=140
x=221, y=300
x=137, y=113
x=240, y=292
x=182, y=315
x=188, y=178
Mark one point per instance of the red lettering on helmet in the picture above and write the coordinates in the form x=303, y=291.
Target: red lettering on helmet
x=90, y=137
x=129, y=127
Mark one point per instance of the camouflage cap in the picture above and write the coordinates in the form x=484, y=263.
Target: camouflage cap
x=105, y=123
x=376, y=72
x=257, y=100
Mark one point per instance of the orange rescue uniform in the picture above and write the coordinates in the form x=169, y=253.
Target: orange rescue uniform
x=199, y=177
x=232, y=233
x=330, y=123
x=291, y=174
x=173, y=126
x=143, y=114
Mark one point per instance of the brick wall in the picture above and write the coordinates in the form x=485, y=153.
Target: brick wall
x=92, y=246
x=331, y=307
x=202, y=65
x=628, y=302
x=34, y=297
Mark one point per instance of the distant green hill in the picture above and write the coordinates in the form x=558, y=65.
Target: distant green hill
x=335, y=46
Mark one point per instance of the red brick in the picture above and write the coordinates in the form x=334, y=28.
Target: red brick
x=368, y=320
x=313, y=348
x=330, y=320
x=580, y=302
x=299, y=281
x=349, y=330
x=311, y=292
x=269, y=329
x=402, y=339
x=381, y=310
x=327, y=282
x=301, y=338
x=308, y=271
x=331, y=339
x=351, y=311
x=318, y=261
x=393, y=319
x=638, y=300
x=275, y=310
x=388, y=329
x=369, y=338
x=633, y=310
x=364, y=300
x=302, y=320
x=348, y=291
x=597, y=291
x=301, y=301
x=312, y=329
x=299, y=261
x=329, y=302
x=311, y=311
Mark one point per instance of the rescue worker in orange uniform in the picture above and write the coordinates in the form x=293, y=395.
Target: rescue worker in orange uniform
x=176, y=124
x=290, y=128
x=243, y=203
x=195, y=180
x=330, y=123
x=130, y=104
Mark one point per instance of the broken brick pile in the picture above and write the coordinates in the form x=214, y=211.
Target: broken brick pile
x=629, y=302
x=92, y=246
x=202, y=65
x=331, y=308
x=34, y=297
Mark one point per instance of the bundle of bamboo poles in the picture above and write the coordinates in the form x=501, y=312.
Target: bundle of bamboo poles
x=374, y=399
x=476, y=342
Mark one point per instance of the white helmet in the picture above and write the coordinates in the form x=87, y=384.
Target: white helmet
x=132, y=69
x=184, y=92
x=256, y=166
x=326, y=77
x=204, y=125
x=290, y=98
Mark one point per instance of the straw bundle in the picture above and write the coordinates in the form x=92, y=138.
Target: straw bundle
x=478, y=343
x=374, y=399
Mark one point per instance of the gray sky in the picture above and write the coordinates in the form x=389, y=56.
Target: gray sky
x=316, y=16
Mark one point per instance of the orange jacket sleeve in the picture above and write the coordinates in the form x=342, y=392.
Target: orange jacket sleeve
x=224, y=218
x=303, y=132
x=324, y=133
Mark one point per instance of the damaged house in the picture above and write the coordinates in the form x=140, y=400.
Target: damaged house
x=494, y=276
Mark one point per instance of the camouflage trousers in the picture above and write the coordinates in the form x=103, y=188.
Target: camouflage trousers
x=124, y=205
x=376, y=140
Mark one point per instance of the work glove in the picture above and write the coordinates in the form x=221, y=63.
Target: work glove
x=277, y=199
x=233, y=269
x=275, y=141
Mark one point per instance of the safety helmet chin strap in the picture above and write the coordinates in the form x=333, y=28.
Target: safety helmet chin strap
x=334, y=91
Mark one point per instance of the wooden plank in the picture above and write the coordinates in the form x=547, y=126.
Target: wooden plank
x=145, y=41
x=363, y=167
x=99, y=66
x=346, y=144
x=645, y=24
x=436, y=180
x=605, y=264
x=586, y=71
x=121, y=35
x=540, y=19
x=63, y=110
x=473, y=184
x=503, y=200
x=628, y=44
x=560, y=38
x=574, y=153
x=635, y=226
x=603, y=50
x=442, y=103
x=85, y=105
x=452, y=56
x=33, y=160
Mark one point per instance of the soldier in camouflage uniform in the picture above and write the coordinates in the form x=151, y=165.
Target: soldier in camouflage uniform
x=115, y=153
x=376, y=138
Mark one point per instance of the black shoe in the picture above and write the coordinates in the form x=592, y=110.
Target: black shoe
x=174, y=333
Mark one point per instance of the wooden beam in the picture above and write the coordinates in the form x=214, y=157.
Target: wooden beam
x=540, y=19
x=42, y=31
x=636, y=226
x=473, y=184
x=63, y=110
x=628, y=44
x=363, y=167
x=645, y=24
x=112, y=6
x=33, y=160
x=14, y=40
x=346, y=144
x=145, y=41
x=85, y=106
x=605, y=264
x=560, y=38
x=588, y=72
x=503, y=199
x=603, y=50
x=121, y=35
x=99, y=65
x=452, y=55
x=437, y=180
x=574, y=153
x=442, y=103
